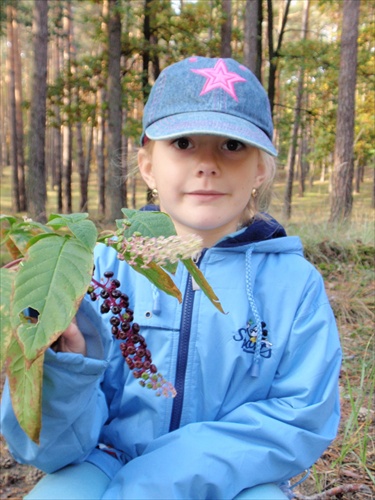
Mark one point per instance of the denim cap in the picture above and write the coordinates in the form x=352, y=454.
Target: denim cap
x=202, y=95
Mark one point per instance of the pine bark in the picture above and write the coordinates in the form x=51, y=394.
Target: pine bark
x=226, y=29
x=115, y=179
x=343, y=168
x=19, y=116
x=36, y=181
x=288, y=194
x=252, y=51
x=274, y=53
x=67, y=133
x=12, y=112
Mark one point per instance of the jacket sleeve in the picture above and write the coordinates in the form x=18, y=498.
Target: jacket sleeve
x=73, y=409
x=264, y=441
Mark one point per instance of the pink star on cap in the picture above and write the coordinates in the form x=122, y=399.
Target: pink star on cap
x=219, y=77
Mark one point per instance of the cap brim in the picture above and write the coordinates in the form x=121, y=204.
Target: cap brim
x=211, y=123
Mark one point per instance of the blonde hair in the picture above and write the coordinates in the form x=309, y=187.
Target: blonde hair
x=262, y=199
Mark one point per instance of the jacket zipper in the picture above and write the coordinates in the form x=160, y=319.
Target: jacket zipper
x=183, y=351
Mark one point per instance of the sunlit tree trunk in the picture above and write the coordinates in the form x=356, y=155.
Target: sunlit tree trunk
x=342, y=196
x=287, y=209
x=36, y=180
x=226, y=29
x=252, y=53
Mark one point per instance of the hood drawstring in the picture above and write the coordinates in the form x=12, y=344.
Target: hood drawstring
x=156, y=307
x=249, y=289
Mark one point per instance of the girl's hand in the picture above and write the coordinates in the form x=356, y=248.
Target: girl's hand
x=71, y=340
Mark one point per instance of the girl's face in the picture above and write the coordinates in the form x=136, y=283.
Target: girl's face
x=204, y=182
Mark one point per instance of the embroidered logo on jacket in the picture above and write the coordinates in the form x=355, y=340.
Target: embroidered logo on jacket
x=248, y=337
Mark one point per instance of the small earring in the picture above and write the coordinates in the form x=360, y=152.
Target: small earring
x=154, y=193
x=254, y=193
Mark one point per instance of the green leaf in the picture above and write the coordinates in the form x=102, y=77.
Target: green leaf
x=85, y=231
x=59, y=220
x=202, y=283
x=158, y=277
x=6, y=281
x=52, y=280
x=151, y=224
x=25, y=384
x=82, y=228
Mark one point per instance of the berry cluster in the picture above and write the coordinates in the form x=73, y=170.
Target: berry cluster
x=133, y=346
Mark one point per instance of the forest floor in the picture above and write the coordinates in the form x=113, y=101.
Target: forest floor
x=347, y=468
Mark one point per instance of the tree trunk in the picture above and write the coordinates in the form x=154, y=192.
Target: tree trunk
x=342, y=197
x=12, y=113
x=146, y=50
x=304, y=165
x=252, y=51
x=273, y=54
x=114, y=186
x=67, y=134
x=36, y=181
x=226, y=29
x=57, y=57
x=287, y=209
x=145, y=63
x=19, y=117
x=100, y=146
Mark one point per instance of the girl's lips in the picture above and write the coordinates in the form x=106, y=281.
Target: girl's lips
x=206, y=195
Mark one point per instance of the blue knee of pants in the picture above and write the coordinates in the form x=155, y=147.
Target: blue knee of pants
x=85, y=481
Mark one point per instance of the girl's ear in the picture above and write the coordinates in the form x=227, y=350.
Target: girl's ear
x=145, y=167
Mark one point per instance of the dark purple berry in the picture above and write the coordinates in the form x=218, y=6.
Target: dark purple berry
x=125, y=326
x=104, y=308
x=108, y=274
x=104, y=294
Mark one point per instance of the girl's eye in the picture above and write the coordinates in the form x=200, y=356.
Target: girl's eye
x=233, y=145
x=182, y=143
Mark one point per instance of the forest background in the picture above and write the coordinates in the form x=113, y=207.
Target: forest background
x=75, y=75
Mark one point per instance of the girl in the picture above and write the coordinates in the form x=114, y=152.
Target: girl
x=257, y=394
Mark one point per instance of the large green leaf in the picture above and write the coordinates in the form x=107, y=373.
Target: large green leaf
x=53, y=279
x=6, y=280
x=25, y=383
x=202, y=282
x=82, y=228
x=150, y=224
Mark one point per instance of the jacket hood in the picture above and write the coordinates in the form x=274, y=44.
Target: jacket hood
x=257, y=230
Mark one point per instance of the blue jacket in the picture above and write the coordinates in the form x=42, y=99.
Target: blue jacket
x=244, y=414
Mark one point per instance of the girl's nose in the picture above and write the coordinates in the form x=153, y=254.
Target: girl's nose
x=207, y=164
